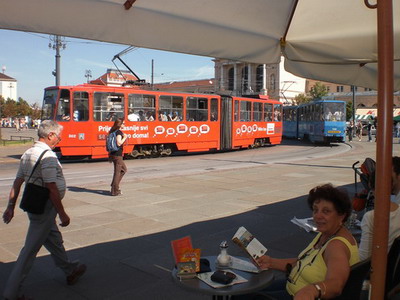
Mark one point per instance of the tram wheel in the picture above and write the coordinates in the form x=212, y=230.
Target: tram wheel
x=135, y=153
x=166, y=152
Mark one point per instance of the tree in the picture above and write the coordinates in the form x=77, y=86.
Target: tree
x=349, y=111
x=2, y=102
x=302, y=98
x=23, y=108
x=318, y=90
x=10, y=108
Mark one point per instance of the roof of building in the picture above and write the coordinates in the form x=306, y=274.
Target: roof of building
x=176, y=84
x=112, y=76
x=4, y=77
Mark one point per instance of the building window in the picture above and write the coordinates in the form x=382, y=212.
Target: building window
x=231, y=78
x=339, y=88
x=245, y=79
x=259, y=77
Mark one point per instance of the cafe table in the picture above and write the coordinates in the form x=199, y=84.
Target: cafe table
x=255, y=282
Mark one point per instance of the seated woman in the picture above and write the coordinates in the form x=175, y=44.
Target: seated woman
x=367, y=224
x=323, y=267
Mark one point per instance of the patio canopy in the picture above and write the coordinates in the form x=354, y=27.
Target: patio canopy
x=334, y=41
x=340, y=41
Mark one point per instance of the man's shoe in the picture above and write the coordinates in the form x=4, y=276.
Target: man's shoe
x=76, y=274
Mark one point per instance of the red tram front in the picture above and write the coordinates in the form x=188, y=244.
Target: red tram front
x=158, y=123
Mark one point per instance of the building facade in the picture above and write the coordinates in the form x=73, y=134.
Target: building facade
x=245, y=79
x=364, y=97
x=8, y=87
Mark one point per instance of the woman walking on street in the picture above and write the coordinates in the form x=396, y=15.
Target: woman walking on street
x=350, y=131
x=359, y=128
x=116, y=157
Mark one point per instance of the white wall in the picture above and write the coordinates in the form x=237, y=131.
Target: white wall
x=289, y=84
x=8, y=92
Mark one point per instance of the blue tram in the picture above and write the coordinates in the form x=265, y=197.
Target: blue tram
x=321, y=121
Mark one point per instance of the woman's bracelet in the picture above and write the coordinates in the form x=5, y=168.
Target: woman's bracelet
x=324, y=290
x=319, y=290
x=11, y=204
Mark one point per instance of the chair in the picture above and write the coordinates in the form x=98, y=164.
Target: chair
x=358, y=272
x=392, y=286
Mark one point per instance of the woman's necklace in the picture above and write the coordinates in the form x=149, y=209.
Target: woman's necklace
x=319, y=245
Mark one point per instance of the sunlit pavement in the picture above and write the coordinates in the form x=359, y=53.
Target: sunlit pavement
x=125, y=240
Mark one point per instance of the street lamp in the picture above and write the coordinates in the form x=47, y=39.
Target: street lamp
x=10, y=87
x=57, y=43
x=88, y=75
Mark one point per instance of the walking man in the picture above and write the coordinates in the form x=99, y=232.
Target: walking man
x=43, y=230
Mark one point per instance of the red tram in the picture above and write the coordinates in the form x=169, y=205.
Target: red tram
x=159, y=123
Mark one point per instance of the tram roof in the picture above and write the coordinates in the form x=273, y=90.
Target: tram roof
x=138, y=88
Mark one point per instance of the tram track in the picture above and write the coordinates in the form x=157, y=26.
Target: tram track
x=80, y=174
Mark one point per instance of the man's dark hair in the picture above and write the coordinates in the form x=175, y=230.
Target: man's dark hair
x=339, y=198
x=396, y=164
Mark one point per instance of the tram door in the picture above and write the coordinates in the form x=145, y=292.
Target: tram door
x=226, y=123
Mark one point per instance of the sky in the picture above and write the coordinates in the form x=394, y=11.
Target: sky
x=29, y=60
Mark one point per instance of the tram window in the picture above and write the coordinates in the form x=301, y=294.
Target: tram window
x=49, y=104
x=81, y=106
x=214, y=110
x=294, y=114
x=287, y=114
x=63, y=107
x=317, y=113
x=312, y=110
x=141, y=107
x=196, y=109
x=236, y=117
x=267, y=112
x=108, y=106
x=277, y=112
x=245, y=111
x=308, y=109
x=301, y=112
x=334, y=111
x=257, y=111
x=170, y=108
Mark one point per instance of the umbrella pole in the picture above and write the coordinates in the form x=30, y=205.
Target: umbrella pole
x=383, y=147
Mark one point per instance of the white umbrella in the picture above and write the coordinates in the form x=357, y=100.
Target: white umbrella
x=321, y=39
x=319, y=35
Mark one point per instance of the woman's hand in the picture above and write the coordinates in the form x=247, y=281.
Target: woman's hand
x=264, y=262
x=308, y=292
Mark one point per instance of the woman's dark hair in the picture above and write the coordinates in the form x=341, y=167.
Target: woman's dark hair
x=117, y=124
x=339, y=198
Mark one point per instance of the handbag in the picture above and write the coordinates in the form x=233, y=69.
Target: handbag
x=35, y=197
